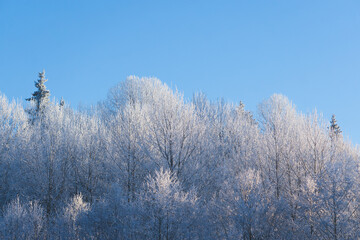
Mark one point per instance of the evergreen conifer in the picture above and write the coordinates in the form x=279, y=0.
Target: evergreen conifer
x=41, y=96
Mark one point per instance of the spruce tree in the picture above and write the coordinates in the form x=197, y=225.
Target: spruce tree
x=334, y=127
x=241, y=108
x=41, y=96
x=62, y=102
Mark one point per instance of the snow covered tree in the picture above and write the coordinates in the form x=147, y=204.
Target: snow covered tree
x=41, y=96
x=168, y=210
x=13, y=142
x=174, y=129
x=126, y=154
x=278, y=121
x=243, y=207
x=337, y=199
x=111, y=217
x=91, y=165
x=23, y=221
x=335, y=130
x=316, y=144
x=68, y=219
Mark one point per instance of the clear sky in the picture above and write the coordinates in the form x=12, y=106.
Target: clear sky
x=239, y=50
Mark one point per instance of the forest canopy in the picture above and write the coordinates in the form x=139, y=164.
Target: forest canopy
x=147, y=164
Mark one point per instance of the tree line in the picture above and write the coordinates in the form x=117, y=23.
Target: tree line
x=147, y=164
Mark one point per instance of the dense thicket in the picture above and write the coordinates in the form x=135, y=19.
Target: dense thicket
x=146, y=164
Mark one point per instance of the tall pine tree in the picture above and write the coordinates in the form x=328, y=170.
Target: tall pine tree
x=40, y=97
x=335, y=130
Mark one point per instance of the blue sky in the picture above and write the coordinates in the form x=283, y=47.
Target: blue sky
x=239, y=50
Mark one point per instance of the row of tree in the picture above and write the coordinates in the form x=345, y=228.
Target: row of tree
x=146, y=164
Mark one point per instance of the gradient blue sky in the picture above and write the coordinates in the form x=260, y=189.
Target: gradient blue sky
x=239, y=50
